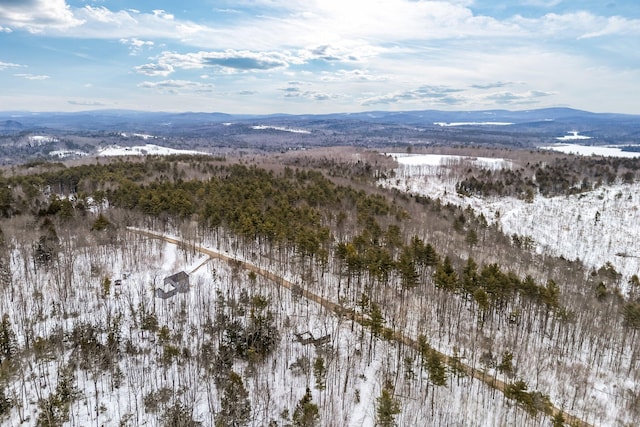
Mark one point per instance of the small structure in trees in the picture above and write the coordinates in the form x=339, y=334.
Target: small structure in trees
x=178, y=282
x=307, y=338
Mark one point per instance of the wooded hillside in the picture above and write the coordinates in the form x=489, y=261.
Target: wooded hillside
x=332, y=301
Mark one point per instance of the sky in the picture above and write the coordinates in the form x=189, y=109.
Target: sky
x=319, y=56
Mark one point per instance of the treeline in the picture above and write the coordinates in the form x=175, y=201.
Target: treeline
x=560, y=176
x=293, y=208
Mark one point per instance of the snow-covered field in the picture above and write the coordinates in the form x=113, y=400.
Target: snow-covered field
x=42, y=139
x=280, y=128
x=439, y=160
x=590, y=150
x=138, y=135
x=595, y=227
x=63, y=154
x=450, y=124
x=142, y=150
x=572, y=136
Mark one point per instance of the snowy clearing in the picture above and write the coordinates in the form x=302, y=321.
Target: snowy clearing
x=143, y=150
x=280, y=128
x=446, y=124
x=42, y=139
x=449, y=160
x=572, y=136
x=589, y=150
x=62, y=154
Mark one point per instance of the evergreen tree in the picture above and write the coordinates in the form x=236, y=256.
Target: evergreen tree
x=54, y=410
x=387, y=407
x=506, y=365
x=445, y=276
x=407, y=269
x=470, y=276
x=320, y=372
x=8, y=342
x=558, y=420
x=235, y=406
x=436, y=368
x=472, y=237
x=306, y=413
x=179, y=415
x=376, y=321
x=101, y=223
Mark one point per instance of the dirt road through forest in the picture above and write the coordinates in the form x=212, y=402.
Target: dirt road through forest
x=351, y=314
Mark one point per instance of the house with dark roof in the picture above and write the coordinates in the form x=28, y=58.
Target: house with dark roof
x=178, y=282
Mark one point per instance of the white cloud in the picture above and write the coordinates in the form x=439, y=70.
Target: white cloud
x=32, y=76
x=103, y=15
x=294, y=92
x=86, y=103
x=582, y=24
x=527, y=97
x=229, y=60
x=162, y=70
x=542, y=3
x=177, y=86
x=163, y=15
x=342, y=51
x=136, y=45
x=436, y=95
x=352, y=76
x=37, y=15
x=5, y=29
x=493, y=85
x=7, y=65
x=102, y=23
x=614, y=25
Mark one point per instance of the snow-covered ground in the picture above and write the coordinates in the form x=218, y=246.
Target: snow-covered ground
x=142, y=150
x=447, y=124
x=42, y=139
x=63, y=154
x=572, y=136
x=590, y=150
x=280, y=128
x=138, y=135
x=439, y=160
x=355, y=371
x=596, y=227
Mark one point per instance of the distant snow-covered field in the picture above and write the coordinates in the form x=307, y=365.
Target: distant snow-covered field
x=447, y=160
x=572, y=136
x=141, y=150
x=590, y=150
x=280, y=128
x=450, y=124
x=63, y=154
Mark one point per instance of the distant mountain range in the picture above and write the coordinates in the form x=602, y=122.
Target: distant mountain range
x=539, y=123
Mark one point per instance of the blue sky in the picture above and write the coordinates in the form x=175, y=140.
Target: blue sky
x=318, y=56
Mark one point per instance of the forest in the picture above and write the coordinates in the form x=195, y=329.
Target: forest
x=316, y=297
